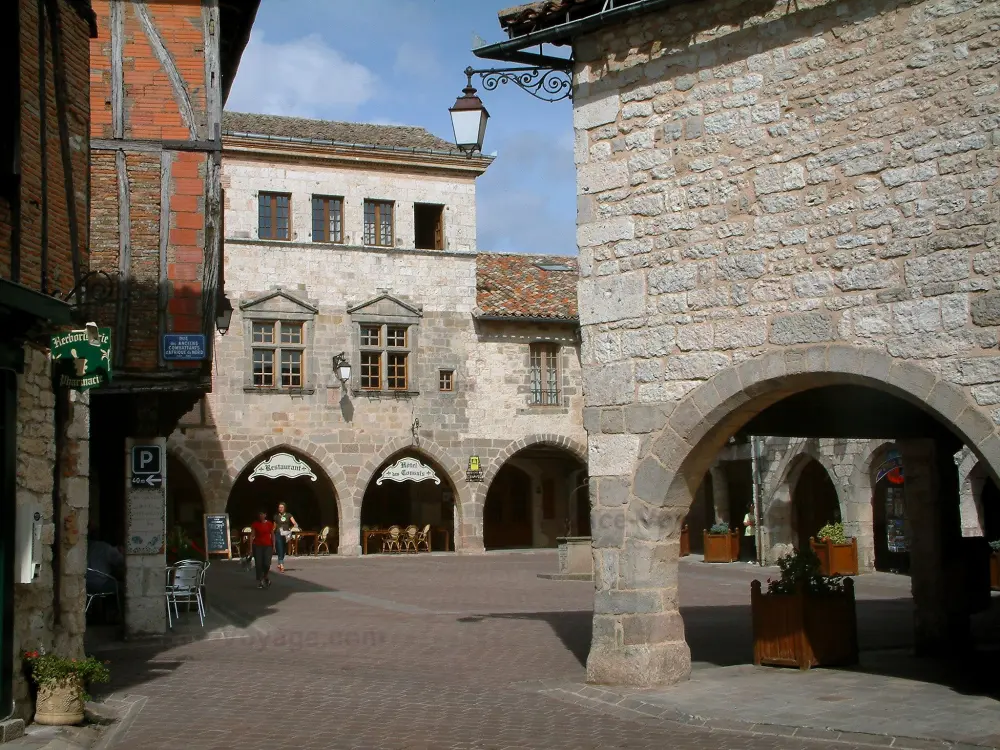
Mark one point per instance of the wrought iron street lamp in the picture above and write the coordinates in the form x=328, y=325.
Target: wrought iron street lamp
x=468, y=119
x=342, y=367
x=224, y=316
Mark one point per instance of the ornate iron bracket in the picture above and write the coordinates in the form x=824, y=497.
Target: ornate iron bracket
x=94, y=290
x=546, y=84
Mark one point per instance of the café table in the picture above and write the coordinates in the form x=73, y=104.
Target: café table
x=299, y=536
x=369, y=533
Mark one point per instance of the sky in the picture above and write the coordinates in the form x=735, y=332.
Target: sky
x=400, y=62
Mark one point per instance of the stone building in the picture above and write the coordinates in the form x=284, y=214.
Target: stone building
x=360, y=241
x=787, y=226
x=160, y=73
x=43, y=257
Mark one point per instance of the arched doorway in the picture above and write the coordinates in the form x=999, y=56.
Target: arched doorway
x=285, y=475
x=814, y=502
x=539, y=494
x=185, y=505
x=889, y=526
x=409, y=488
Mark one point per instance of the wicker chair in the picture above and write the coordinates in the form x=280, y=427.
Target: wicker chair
x=410, y=540
x=392, y=542
x=321, y=541
x=423, y=538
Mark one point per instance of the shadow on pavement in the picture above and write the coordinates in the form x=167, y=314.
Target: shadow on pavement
x=233, y=603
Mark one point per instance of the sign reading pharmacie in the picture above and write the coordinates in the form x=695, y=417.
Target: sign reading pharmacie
x=408, y=470
x=282, y=465
x=82, y=359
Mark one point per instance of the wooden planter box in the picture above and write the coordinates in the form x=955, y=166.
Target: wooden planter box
x=995, y=570
x=685, y=542
x=836, y=559
x=804, y=631
x=721, y=548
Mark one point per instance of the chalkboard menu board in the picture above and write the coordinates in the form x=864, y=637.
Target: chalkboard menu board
x=217, y=535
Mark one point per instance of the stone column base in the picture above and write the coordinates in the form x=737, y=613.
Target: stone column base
x=640, y=665
x=350, y=550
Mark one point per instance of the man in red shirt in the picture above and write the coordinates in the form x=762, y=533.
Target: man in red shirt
x=263, y=538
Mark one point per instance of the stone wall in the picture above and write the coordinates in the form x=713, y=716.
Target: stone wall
x=36, y=622
x=771, y=198
x=243, y=180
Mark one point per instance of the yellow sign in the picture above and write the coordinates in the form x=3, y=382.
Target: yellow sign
x=473, y=463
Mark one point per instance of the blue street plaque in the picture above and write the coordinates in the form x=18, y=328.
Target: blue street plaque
x=184, y=346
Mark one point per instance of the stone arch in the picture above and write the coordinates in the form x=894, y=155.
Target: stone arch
x=576, y=448
x=638, y=542
x=477, y=500
x=430, y=449
x=310, y=450
x=971, y=478
x=198, y=471
x=778, y=491
x=859, y=521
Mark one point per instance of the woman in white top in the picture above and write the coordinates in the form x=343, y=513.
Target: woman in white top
x=284, y=522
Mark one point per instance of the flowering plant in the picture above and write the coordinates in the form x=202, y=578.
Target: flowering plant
x=719, y=528
x=180, y=546
x=48, y=668
x=834, y=532
x=800, y=571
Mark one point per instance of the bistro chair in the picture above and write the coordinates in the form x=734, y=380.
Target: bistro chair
x=391, y=542
x=102, y=595
x=321, y=541
x=423, y=538
x=410, y=540
x=293, y=542
x=183, y=588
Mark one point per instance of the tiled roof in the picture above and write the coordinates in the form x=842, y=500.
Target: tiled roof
x=359, y=133
x=524, y=18
x=513, y=286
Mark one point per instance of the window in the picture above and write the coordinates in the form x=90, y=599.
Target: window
x=446, y=380
x=378, y=223
x=280, y=342
x=273, y=216
x=428, y=224
x=544, y=375
x=328, y=219
x=395, y=355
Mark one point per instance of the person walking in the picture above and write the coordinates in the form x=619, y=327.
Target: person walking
x=749, y=539
x=284, y=522
x=263, y=538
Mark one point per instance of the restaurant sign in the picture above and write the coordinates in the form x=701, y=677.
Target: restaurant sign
x=282, y=465
x=408, y=470
x=82, y=358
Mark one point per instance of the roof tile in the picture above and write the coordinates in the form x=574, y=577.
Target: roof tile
x=515, y=286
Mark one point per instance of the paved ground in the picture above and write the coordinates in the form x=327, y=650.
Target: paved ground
x=478, y=652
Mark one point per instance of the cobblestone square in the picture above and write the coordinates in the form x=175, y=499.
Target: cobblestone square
x=446, y=651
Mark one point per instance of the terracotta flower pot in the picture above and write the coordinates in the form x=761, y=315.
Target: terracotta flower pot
x=60, y=703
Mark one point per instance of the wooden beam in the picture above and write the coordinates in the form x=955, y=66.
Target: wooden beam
x=161, y=53
x=117, y=70
x=213, y=74
x=213, y=240
x=163, y=288
x=124, y=257
x=153, y=147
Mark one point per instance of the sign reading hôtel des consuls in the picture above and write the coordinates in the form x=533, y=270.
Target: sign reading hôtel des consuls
x=81, y=363
x=407, y=470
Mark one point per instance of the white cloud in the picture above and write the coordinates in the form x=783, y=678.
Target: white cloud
x=302, y=77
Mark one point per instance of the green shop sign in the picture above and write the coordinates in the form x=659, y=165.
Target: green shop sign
x=82, y=362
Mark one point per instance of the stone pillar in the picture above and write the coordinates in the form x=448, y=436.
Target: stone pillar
x=638, y=634
x=74, y=495
x=145, y=546
x=349, y=544
x=469, y=525
x=941, y=622
x=720, y=493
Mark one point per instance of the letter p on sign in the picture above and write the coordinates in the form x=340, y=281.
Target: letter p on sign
x=146, y=459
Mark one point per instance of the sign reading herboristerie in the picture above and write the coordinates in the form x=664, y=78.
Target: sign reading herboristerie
x=188, y=347
x=82, y=361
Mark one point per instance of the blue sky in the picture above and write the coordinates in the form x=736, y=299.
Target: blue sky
x=400, y=62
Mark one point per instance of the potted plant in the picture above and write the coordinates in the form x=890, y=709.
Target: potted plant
x=838, y=554
x=180, y=546
x=62, y=685
x=721, y=544
x=995, y=564
x=805, y=619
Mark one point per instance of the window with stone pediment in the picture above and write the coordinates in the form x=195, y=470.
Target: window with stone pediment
x=278, y=330
x=385, y=339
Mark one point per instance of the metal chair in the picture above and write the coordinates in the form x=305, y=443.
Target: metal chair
x=321, y=541
x=183, y=586
x=410, y=540
x=391, y=542
x=102, y=595
x=423, y=538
